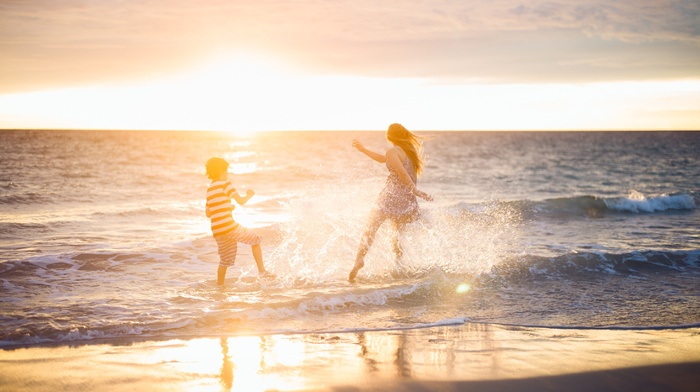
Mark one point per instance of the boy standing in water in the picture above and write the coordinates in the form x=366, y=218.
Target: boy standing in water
x=227, y=232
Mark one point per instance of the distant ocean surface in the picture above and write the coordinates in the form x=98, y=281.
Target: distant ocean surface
x=103, y=234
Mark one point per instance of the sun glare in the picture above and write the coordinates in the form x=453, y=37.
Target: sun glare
x=237, y=363
x=246, y=93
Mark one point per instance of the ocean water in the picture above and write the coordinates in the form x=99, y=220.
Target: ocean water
x=103, y=234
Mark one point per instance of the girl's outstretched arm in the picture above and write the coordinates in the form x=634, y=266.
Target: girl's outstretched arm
x=374, y=155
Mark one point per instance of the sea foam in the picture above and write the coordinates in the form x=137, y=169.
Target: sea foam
x=637, y=202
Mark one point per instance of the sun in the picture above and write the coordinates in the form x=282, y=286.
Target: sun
x=242, y=93
x=233, y=93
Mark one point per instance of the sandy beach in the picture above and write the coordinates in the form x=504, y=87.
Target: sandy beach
x=448, y=358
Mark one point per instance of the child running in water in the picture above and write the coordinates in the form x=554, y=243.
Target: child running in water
x=397, y=201
x=227, y=232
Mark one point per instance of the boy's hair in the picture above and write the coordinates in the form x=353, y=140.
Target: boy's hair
x=215, y=166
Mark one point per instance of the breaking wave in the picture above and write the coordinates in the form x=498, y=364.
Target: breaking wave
x=596, y=207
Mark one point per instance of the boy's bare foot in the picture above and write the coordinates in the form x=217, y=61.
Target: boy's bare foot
x=267, y=275
x=355, y=270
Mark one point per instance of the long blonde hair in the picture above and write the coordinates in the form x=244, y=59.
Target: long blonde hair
x=410, y=143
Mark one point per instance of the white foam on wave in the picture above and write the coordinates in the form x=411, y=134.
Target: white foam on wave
x=77, y=334
x=329, y=304
x=445, y=322
x=638, y=202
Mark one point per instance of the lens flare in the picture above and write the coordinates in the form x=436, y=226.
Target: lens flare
x=463, y=288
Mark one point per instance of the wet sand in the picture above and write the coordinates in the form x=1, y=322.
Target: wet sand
x=451, y=358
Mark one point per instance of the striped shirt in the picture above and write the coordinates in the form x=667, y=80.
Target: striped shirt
x=219, y=207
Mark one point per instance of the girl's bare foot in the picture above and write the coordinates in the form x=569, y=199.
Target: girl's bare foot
x=355, y=270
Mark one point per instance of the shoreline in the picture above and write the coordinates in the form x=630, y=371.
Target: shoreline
x=453, y=357
x=135, y=339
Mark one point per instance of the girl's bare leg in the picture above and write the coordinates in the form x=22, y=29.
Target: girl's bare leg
x=375, y=221
x=396, y=239
x=399, y=226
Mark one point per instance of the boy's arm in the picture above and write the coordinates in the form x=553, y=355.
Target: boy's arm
x=241, y=200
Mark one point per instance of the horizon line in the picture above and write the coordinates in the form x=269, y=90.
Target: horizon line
x=346, y=130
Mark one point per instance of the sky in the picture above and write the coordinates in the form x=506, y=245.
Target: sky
x=245, y=66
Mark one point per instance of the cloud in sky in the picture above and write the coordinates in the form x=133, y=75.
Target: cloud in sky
x=55, y=43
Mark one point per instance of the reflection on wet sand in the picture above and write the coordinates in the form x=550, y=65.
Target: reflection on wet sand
x=360, y=361
x=365, y=354
x=403, y=357
x=413, y=357
x=226, y=367
x=280, y=361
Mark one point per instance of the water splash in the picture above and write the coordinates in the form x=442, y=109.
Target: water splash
x=318, y=245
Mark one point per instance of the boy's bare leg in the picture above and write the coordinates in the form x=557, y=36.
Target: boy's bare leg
x=220, y=275
x=257, y=255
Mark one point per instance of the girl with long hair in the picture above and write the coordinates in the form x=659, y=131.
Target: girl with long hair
x=397, y=201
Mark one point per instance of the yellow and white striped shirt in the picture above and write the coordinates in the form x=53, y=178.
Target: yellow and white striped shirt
x=219, y=207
